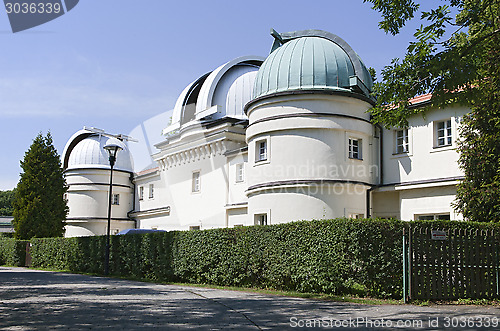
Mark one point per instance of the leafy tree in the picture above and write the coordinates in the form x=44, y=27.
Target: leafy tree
x=456, y=58
x=6, y=200
x=40, y=208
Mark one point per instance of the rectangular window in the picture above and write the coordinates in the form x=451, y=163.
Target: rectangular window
x=261, y=219
x=141, y=192
x=261, y=150
x=443, y=133
x=115, y=200
x=431, y=217
x=151, y=191
x=194, y=227
x=196, y=182
x=402, y=141
x=240, y=172
x=426, y=217
x=355, y=149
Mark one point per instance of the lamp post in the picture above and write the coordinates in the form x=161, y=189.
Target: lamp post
x=113, y=146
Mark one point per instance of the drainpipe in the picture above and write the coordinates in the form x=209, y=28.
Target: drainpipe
x=226, y=212
x=132, y=181
x=381, y=172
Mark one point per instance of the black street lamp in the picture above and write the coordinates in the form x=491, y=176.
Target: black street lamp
x=113, y=146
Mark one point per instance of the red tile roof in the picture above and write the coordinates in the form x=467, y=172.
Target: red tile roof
x=147, y=171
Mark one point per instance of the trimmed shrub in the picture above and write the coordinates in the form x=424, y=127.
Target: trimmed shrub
x=340, y=256
x=329, y=256
x=13, y=252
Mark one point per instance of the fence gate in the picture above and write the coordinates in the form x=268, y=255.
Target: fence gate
x=451, y=264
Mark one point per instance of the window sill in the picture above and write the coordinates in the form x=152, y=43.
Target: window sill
x=354, y=158
x=442, y=148
x=260, y=162
x=400, y=155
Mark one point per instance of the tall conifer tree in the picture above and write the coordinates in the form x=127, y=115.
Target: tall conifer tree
x=40, y=208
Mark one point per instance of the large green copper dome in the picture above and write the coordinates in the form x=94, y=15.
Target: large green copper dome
x=311, y=60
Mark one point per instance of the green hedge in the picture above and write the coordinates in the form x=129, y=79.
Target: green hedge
x=340, y=256
x=13, y=252
x=330, y=256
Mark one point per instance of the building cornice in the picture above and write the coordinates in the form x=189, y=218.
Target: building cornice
x=445, y=181
x=302, y=183
x=277, y=117
x=317, y=91
x=99, y=184
x=100, y=219
x=106, y=169
x=150, y=212
x=207, y=150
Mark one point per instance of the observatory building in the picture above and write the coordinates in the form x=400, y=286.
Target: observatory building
x=271, y=140
x=87, y=170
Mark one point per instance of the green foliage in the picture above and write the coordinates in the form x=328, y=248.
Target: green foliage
x=447, y=56
x=340, y=256
x=395, y=13
x=40, y=208
x=455, y=59
x=13, y=252
x=454, y=225
x=6, y=200
x=478, y=196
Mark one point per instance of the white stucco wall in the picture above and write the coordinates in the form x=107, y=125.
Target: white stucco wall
x=423, y=180
x=195, y=149
x=308, y=168
x=424, y=161
x=426, y=201
x=88, y=196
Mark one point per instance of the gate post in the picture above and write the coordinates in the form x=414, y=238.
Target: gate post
x=405, y=298
x=496, y=266
x=27, y=261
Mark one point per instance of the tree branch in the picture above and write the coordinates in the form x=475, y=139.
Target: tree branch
x=477, y=41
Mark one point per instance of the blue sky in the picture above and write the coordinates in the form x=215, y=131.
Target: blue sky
x=114, y=64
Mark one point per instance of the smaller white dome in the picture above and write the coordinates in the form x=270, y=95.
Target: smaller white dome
x=90, y=153
x=239, y=94
x=217, y=94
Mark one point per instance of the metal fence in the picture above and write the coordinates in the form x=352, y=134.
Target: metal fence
x=450, y=264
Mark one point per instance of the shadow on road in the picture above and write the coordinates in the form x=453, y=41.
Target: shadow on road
x=32, y=299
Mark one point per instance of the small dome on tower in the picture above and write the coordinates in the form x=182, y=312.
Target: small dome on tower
x=89, y=152
x=311, y=60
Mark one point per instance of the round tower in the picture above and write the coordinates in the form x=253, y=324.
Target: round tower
x=312, y=148
x=87, y=170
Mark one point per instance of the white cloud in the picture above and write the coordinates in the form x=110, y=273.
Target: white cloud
x=45, y=97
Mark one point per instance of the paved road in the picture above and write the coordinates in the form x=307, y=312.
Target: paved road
x=31, y=299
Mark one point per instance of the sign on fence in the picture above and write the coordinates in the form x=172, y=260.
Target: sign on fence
x=438, y=235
